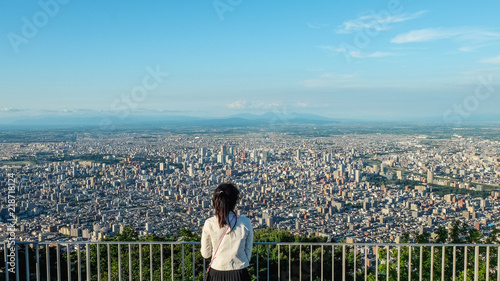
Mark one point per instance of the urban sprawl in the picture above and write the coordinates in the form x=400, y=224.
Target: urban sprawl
x=357, y=187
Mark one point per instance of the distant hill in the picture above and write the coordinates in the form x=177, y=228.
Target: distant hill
x=292, y=117
x=101, y=120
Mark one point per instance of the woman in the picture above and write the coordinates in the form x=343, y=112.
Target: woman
x=233, y=251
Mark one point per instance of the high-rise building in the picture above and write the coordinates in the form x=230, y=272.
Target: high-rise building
x=220, y=158
x=298, y=154
x=223, y=150
x=430, y=176
x=203, y=152
x=149, y=227
x=327, y=158
x=341, y=171
x=270, y=221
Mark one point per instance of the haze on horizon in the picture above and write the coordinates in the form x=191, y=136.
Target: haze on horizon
x=388, y=60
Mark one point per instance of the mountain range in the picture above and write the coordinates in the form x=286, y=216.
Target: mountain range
x=102, y=120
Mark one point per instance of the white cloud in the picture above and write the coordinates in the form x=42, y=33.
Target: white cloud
x=475, y=46
x=358, y=55
x=311, y=106
x=374, y=21
x=431, y=34
x=424, y=35
x=10, y=109
x=241, y=104
x=491, y=60
x=266, y=105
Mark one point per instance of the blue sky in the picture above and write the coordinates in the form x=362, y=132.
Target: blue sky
x=371, y=60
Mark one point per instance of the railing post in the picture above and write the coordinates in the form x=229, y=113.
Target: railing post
x=98, y=248
x=79, y=263
x=487, y=263
x=161, y=260
x=109, y=262
x=343, y=263
x=68, y=251
x=409, y=263
x=279, y=264
x=26, y=257
x=300, y=262
x=88, y=261
x=151, y=261
x=194, y=270
x=58, y=258
x=140, y=261
x=498, y=263
x=366, y=263
x=172, y=260
x=399, y=262
x=257, y=265
x=376, y=263
x=47, y=248
x=310, y=265
x=120, y=262
x=37, y=262
x=182, y=249
x=333, y=262
x=420, y=264
x=465, y=263
x=130, y=275
x=454, y=262
x=354, y=253
x=387, y=268
x=322, y=250
x=432, y=263
x=476, y=264
x=267, y=248
x=442, y=262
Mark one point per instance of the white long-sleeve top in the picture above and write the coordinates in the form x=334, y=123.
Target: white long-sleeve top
x=235, y=249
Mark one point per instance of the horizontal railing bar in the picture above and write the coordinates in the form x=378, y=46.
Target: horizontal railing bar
x=255, y=243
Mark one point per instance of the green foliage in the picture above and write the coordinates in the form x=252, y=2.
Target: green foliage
x=299, y=260
x=408, y=259
x=304, y=260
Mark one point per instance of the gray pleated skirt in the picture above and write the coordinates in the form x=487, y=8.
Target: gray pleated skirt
x=229, y=275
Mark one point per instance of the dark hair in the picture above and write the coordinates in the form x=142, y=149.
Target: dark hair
x=224, y=200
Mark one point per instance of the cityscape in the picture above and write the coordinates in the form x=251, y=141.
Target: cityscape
x=357, y=188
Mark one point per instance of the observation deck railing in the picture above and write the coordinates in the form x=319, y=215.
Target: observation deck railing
x=270, y=261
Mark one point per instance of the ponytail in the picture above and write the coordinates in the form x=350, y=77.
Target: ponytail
x=224, y=200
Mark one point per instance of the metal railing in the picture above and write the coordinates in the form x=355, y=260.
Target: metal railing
x=270, y=261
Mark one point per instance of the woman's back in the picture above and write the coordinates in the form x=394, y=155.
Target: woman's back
x=235, y=249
